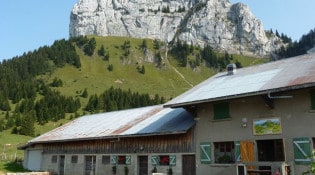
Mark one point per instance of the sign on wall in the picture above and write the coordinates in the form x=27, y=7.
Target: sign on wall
x=267, y=126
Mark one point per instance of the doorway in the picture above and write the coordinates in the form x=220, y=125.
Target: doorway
x=61, y=165
x=270, y=150
x=189, y=165
x=143, y=165
x=90, y=165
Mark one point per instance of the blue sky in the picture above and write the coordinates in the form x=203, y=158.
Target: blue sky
x=291, y=17
x=25, y=25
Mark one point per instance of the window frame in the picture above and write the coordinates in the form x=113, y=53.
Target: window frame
x=105, y=160
x=54, y=159
x=121, y=159
x=74, y=159
x=223, y=151
x=163, y=160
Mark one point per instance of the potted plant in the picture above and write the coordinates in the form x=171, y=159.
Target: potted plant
x=154, y=170
x=312, y=165
x=170, y=171
x=114, y=169
x=126, y=170
x=224, y=159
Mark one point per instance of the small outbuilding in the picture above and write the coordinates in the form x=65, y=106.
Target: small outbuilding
x=138, y=141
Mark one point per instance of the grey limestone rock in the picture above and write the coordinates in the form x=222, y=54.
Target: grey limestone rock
x=218, y=23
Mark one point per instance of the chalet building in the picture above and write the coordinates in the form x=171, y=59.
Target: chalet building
x=136, y=140
x=254, y=120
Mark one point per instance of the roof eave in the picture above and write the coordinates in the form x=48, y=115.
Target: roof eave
x=107, y=138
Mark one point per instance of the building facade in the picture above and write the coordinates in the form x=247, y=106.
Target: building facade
x=258, y=119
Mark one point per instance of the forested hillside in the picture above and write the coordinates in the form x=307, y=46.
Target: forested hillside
x=95, y=74
x=300, y=47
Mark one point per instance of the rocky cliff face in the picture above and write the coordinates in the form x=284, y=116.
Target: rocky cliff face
x=225, y=26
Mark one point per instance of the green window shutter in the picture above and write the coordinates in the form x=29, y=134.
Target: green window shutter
x=205, y=152
x=155, y=160
x=114, y=160
x=173, y=160
x=128, y=160
x=302, y=150
x=313, y=99
x=237, y=151
x=221, y=111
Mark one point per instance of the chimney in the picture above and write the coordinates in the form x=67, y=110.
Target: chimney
x=231, y=69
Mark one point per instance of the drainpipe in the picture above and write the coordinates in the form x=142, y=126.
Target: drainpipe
x=278, y=97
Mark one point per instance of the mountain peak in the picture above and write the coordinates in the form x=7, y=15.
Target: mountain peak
x=218, y=23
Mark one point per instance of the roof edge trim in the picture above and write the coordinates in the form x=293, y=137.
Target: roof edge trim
x=263, y=92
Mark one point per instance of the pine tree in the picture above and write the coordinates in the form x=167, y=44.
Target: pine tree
x=144, y=44
x=2, y=124
x=106, y=57
x=27, y=124
x=90, y=47
x=156, y=44
x=101, y=51
x=277, y=34
x=142, y=69
x=85, y=93
x=110, y=67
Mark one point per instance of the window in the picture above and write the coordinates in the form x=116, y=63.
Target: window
x=124, y=160
x=54, y=159
x=105, y=160
x=164, y=160
x=221, y=111
x=74, y=159
x=121, y=159
x=224, y=152
x=270, y=150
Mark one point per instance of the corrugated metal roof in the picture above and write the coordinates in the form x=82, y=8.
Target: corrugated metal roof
x=297, y=72
x=140, y=121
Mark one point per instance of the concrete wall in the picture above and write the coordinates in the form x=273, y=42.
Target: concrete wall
x=32, y=158
x=30, y=173
x=101, y=169
x=297, y=120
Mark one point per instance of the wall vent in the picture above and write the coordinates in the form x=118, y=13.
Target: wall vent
x=231, y=69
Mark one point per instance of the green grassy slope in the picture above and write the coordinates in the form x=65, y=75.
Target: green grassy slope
x=169, y=81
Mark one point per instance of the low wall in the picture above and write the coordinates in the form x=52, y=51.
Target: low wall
x=30, y=173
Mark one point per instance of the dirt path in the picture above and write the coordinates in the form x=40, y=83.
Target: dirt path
x=181, y=75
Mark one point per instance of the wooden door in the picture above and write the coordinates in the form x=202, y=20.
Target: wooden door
x=143, y=165
x=247, y=152
x=189, y=165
